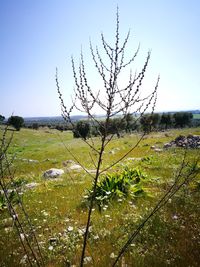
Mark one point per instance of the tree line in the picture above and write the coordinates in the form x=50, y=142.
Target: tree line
x=130, y=123
x=117, y=125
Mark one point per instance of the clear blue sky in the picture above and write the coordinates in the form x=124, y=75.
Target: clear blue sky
x=36, y=36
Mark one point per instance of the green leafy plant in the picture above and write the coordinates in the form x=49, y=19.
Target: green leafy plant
x=18, y=183
x=12, y=198
x=2, y=202
x=118, y=185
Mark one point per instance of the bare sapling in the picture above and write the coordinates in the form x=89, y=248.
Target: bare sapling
x=112, y=99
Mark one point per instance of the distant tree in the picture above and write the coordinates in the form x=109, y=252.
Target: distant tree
x=35, y=126
x=2, y=118
x=149, y=122
x=129, y=122
x=182, y=119
x=117, y=125
x=16, y=121
x=82, y=130
x=166, y=120
x=145, y=122
x=155, y=119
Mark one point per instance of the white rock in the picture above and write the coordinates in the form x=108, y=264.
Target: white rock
x=75, y=167
x=31, y=185
x=158, y=149
x=52, y=173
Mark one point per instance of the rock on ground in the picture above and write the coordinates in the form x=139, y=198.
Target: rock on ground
x=31, y=185
x=52, y=173
x=190, y=141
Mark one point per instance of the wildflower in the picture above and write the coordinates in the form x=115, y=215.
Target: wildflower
x=175, y=217
x=87, y=259
x=70, y=228
x=112, y=255
x=96, y=237
x=81, y=231
x=23, y=260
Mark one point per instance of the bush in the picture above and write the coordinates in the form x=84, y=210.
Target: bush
x=118, y=185
x=82, y=130
x=16, y=121
x=2, y=118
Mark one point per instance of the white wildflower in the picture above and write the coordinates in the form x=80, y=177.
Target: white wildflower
x=23, y=260
x=96, y=237
x=175, y=217
x=112, y=255
x=70, y=228
x=87, y=259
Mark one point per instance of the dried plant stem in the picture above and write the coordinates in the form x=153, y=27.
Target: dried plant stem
x=112, y=100
x=5, y=171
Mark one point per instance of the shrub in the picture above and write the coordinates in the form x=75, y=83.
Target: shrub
x=82, y=130
x=16, y=121
x=118, y=185
x=2, y=118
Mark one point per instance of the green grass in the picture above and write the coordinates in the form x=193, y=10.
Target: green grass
x=196, y=116
x=172, y=238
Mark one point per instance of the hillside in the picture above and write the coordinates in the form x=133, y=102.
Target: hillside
x=58, y=207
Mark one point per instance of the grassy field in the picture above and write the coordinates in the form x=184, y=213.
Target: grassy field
x=58, y=211
x=196, y=116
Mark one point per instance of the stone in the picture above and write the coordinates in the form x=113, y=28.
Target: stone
x=68, y=162
x=52, y=173
x=158, y=149
x=31, y=160
x=190, y=141
x=71, y=165
x=31, y=185
x=75, y=167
